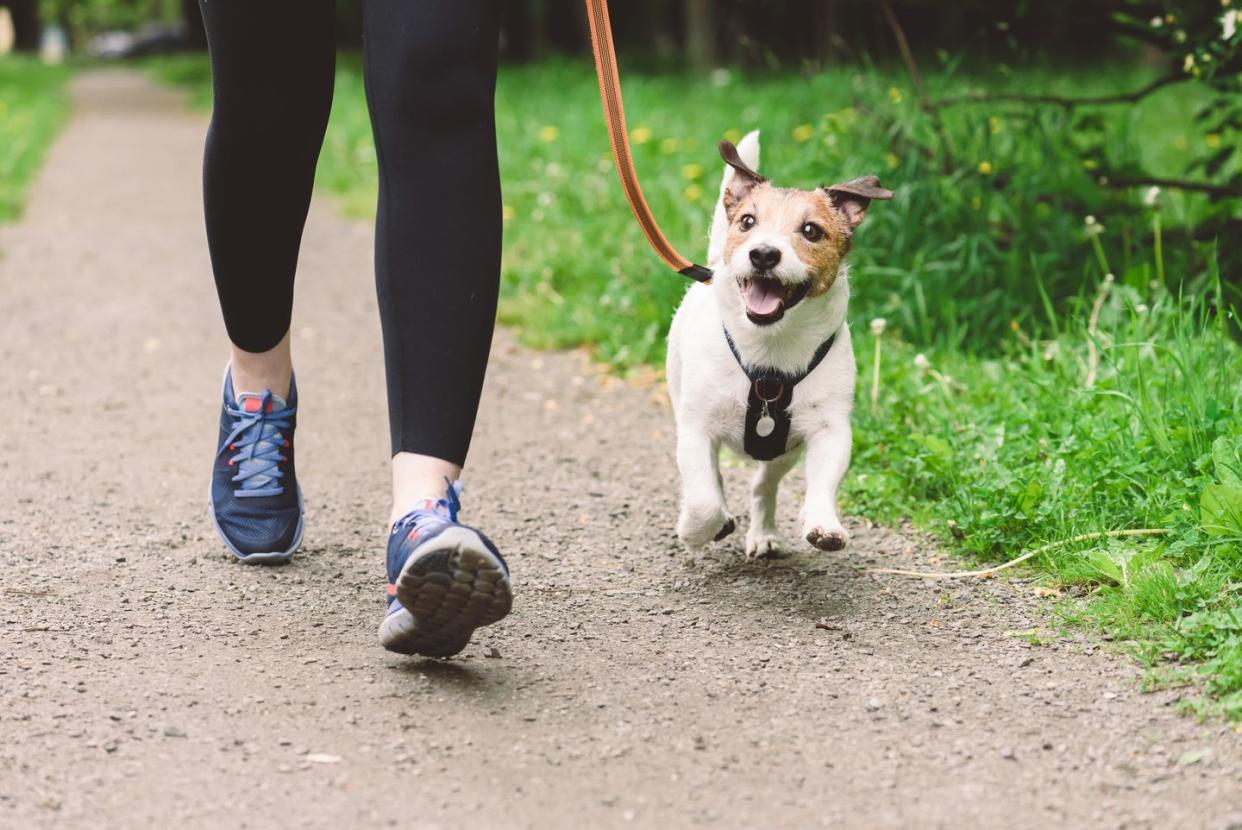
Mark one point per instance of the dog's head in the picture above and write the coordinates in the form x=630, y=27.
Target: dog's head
x=782, y=245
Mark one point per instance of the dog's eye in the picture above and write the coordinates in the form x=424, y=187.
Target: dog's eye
x=747, y=222
x=812, y=232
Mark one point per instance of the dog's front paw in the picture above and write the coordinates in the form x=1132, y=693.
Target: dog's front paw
x=762, y=545
x=828, y=537
x=697, y=528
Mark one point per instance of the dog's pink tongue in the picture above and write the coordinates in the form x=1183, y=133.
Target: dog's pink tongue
x=763, y=297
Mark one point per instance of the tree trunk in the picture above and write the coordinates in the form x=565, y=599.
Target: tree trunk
x=27, y=28
x=700, y=37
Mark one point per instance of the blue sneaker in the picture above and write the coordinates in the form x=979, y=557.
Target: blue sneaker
x=444, y=581
x=256, y=504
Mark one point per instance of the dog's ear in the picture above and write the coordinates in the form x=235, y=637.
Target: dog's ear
x=741, y=182
x=853, y=197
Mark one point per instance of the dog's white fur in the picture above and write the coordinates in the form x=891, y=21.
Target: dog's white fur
x=709, y=391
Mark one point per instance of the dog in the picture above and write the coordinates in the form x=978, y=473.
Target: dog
x=759, y=359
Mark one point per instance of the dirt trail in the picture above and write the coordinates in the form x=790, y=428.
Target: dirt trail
x=147, y=680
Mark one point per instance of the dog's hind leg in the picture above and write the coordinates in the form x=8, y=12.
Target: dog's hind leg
x=827, y=458
x=762, y=538
x=704, y=517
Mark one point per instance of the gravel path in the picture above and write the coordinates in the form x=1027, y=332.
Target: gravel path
x=146, y=680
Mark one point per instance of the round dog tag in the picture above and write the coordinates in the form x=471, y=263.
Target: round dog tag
x=764, y=426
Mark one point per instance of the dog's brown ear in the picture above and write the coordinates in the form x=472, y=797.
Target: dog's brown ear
x=853, y=197
x=743, y=179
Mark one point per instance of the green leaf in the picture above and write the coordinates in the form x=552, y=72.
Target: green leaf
x=1227, y=456
x=1220, y=510
x=1109, y=568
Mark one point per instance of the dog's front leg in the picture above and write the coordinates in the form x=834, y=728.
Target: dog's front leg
x=827, y=458
x=703, y=514
x=761, y=536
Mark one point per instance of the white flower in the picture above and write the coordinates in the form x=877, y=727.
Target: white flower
x=1229, y=25
x=1141, y=308
x=921, y=362
x=1157, y=22
x=1180, y=35
x=1093, y=227
x=1151, y=196
x=1109, y=278
x=1189, y=63
x=877, y=326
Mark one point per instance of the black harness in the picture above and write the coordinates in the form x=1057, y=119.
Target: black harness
x=767, y=409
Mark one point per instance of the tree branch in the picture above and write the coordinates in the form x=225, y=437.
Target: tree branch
x=1061, y=101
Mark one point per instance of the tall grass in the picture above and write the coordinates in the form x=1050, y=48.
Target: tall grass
x=33, y=105
x=1005, y=454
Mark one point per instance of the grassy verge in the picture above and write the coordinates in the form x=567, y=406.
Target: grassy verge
x=1002, y=455
x=989, y=278
x=33, y=105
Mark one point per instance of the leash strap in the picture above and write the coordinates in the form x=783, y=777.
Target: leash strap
x=768, y=421
x=614, y=114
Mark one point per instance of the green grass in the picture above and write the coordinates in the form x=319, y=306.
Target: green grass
x=1002, y=455
x=983, y=264
x=33, y=105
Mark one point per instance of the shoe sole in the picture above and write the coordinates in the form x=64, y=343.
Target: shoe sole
x=272, y=558
x=447, y=592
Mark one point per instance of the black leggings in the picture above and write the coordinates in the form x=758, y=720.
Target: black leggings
x=430, y=80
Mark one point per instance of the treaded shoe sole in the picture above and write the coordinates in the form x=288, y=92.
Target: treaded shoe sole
x=272, y=558
x=446, y=593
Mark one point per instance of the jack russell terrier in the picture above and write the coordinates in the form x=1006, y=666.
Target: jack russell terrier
x=760, y=360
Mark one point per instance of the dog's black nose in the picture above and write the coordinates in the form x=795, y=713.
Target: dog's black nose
x=765, y=257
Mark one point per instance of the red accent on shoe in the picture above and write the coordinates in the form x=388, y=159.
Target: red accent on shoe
x=392, y=590
x=413, y=534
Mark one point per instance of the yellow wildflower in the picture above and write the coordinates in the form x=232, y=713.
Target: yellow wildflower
x=693, y=193
x=691, y=171
x=891, y=160
x=803, y=132
x=549, y=133
x=985, y=167
x=508, y=212
x=894, y=95
x=734, y=135
x=1212, y=140
x=640, y=135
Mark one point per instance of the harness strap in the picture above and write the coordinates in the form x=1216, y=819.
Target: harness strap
x=614, y=115
x=768, y=422
x=775, y=376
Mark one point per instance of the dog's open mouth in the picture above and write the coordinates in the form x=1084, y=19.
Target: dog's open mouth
x=766, y=298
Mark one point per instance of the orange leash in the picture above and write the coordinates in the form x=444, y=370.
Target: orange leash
x=614, y=114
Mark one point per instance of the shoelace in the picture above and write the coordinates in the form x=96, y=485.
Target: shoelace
x=441, y=509
x=259, y=444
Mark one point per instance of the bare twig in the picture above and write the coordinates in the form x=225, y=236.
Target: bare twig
x=916, y=77
x=1086, y=537
x=1093, y=353
x=907, y=56
x=1060, y=100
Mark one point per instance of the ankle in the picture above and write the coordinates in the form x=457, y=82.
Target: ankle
x=257, y=371
x=417, y=479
